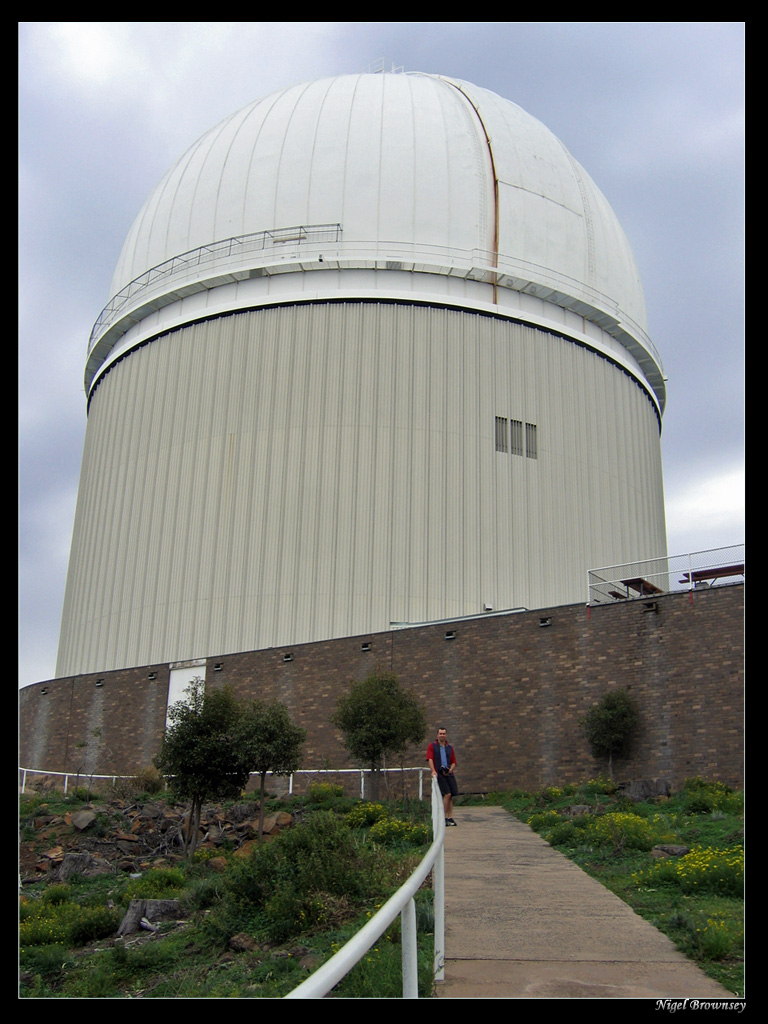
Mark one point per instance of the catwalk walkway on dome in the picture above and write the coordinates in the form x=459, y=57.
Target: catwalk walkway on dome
x=522, y=921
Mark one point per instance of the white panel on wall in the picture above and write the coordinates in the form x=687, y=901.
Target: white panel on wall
x=179, y=679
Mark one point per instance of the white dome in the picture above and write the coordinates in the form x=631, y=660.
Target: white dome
x=477, y=201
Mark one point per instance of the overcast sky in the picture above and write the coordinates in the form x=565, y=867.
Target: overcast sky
x=653, y=110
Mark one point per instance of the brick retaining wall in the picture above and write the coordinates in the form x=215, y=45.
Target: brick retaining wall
x=510, y=692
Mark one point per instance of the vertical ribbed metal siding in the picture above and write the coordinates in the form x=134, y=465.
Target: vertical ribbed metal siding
x=297, y=473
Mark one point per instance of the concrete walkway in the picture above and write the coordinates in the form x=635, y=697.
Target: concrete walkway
x=523, y=921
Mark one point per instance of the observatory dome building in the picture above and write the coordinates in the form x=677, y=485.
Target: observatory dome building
x=376, y=352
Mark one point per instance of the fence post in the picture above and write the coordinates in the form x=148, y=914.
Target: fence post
x=409, y=954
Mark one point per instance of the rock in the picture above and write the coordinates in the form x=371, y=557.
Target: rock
x=273, y=823
x=83, y=819
x=305, y=957
x=245, y=850
x=644, y=789
x=242, y=943
x=124, y=847
x=242, y=812
x=669, y=850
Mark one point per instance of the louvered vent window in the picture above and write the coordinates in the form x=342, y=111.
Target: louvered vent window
x=516, y=437
x=502, y=436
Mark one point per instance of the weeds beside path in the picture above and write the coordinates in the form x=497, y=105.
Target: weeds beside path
x=255, y=925
x=253, y=921
x=677, y=861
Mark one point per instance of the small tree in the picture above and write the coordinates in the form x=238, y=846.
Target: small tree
x=609, y=726
x=379, y=718
x=204, y=755
x=273, y=743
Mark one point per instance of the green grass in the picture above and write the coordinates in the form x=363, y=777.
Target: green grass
x=697, y=900
x=300, y=897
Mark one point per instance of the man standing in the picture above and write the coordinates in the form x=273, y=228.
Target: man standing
x=442, y=760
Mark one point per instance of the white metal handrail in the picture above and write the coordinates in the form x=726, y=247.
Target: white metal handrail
x=332, y=971
x=669, y=574
x=262, y=250
x=89, y=777
x=225, y=248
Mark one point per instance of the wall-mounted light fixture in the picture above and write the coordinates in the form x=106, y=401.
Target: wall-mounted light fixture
x=152, y=675
x=365, y=647
x=218, y=667
x=651, y=606
x=487, y=607
x=545, y=622
x=450, y=634
x=99, y=682
x=287, y=657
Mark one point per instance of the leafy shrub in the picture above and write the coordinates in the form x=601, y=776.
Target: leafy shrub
x=551, y=793
x=609, y=725
x=703, y=797
x=54, y=894
x=288, y=884
x=541, y=822
x=394, y=832
x=599, y=786
x=619, y=829
x=289, y=912
x=717, y=937
x=93, y=923
x=155, y=884
x=43, y=930
x=564, y=833
x=323, y=792
x=365, y=814
x=203, y=893
x=704, y=869
x=148, y=780
x=66, y=923
x=628, y=831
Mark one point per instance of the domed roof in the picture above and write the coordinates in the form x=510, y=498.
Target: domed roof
x=385, y=171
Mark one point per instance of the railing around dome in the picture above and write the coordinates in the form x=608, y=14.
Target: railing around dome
x=653, y=577
x=237, y=256
x=226, y=249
